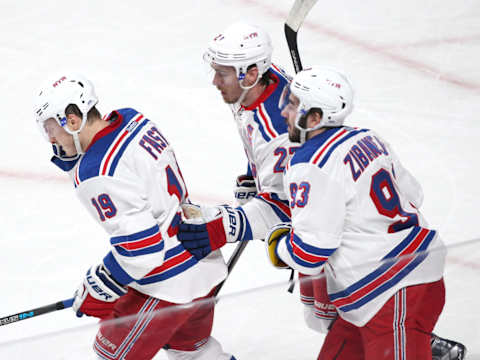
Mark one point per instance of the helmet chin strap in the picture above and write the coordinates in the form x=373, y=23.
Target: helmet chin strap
x=76, y=139
x=245, y=89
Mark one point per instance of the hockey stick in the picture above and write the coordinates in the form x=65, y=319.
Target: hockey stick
x=231, y=263
x=295, y=18
x=10, y=319
x=297, y=14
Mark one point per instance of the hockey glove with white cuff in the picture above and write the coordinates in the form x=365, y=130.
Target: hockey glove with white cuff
x=245, y=189
x=207, y=229
x=277, y=233
x=98, y=293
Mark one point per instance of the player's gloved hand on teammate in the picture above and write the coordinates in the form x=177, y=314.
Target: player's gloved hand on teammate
x=245, y=189
x=98, y=293
x=277, y=233
x=207, y=229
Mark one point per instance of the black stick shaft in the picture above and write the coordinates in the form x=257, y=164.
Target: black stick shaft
x=10, y=319
x=231, y=263
x=291, y=36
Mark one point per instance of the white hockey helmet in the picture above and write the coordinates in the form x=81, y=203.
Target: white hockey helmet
x=324, y=88
x=54, y=97
x=240, y=46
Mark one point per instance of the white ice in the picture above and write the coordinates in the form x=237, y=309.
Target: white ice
x=415, y=67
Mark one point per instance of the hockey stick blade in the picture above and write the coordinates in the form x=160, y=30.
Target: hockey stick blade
x=295, y=19
x=10, y=319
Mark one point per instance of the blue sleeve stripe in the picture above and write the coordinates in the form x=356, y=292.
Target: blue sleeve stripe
x=280, y=207
x=312, y=249
x=136, y=236
x=116, y=270
x=299, y=260
x=248, y=230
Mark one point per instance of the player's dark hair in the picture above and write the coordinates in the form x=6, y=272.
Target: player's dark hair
x=265, y=79
x=92, y=114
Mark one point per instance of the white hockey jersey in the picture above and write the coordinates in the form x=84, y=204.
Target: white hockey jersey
x=129, y=181
x=265, y=139
x=355, y=210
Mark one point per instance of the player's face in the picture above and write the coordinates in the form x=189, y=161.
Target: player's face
x=290, y=114
x=58, y=135
x=225, y=79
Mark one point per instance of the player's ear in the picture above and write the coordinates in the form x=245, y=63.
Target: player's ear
x=251, y=76
x=314, y=118
x=74, y=121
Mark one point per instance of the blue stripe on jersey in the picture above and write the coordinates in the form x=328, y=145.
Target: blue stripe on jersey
x=305, y=152
x=144, y=251
x=271, y=104
x=136, y=236
x=174, y=270
x=299, y=260
x=420, y=255
x=120, y=275
x=265, y=136
x=115, y=161
x=169, y=273
x=276, y=209
x=90, y=162
x=312, y=249
x=332, y=149
x=248, y=230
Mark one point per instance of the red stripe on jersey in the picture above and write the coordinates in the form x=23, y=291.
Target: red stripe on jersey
x=314, y=259
x=284, y=208
x=265, y=121
x=328, y=145
x=117, y=143
x=135, y=245
x=172, y=262
x=402, y=263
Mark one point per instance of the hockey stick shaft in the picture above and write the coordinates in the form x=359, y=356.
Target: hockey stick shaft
x=231, y=263
x=296, y=16
x=10, y=319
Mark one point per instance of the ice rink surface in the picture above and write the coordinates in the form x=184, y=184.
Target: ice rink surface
x=415, y=68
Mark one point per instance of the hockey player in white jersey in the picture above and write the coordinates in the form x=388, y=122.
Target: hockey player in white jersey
x=240, y=58
x=125, y=173
x=355, y=213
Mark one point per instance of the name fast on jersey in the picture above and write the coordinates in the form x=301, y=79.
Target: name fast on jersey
x=153, y=139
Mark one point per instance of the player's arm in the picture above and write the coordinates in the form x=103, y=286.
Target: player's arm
x=214, y=226
x=318, y=211
x=136, y=242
